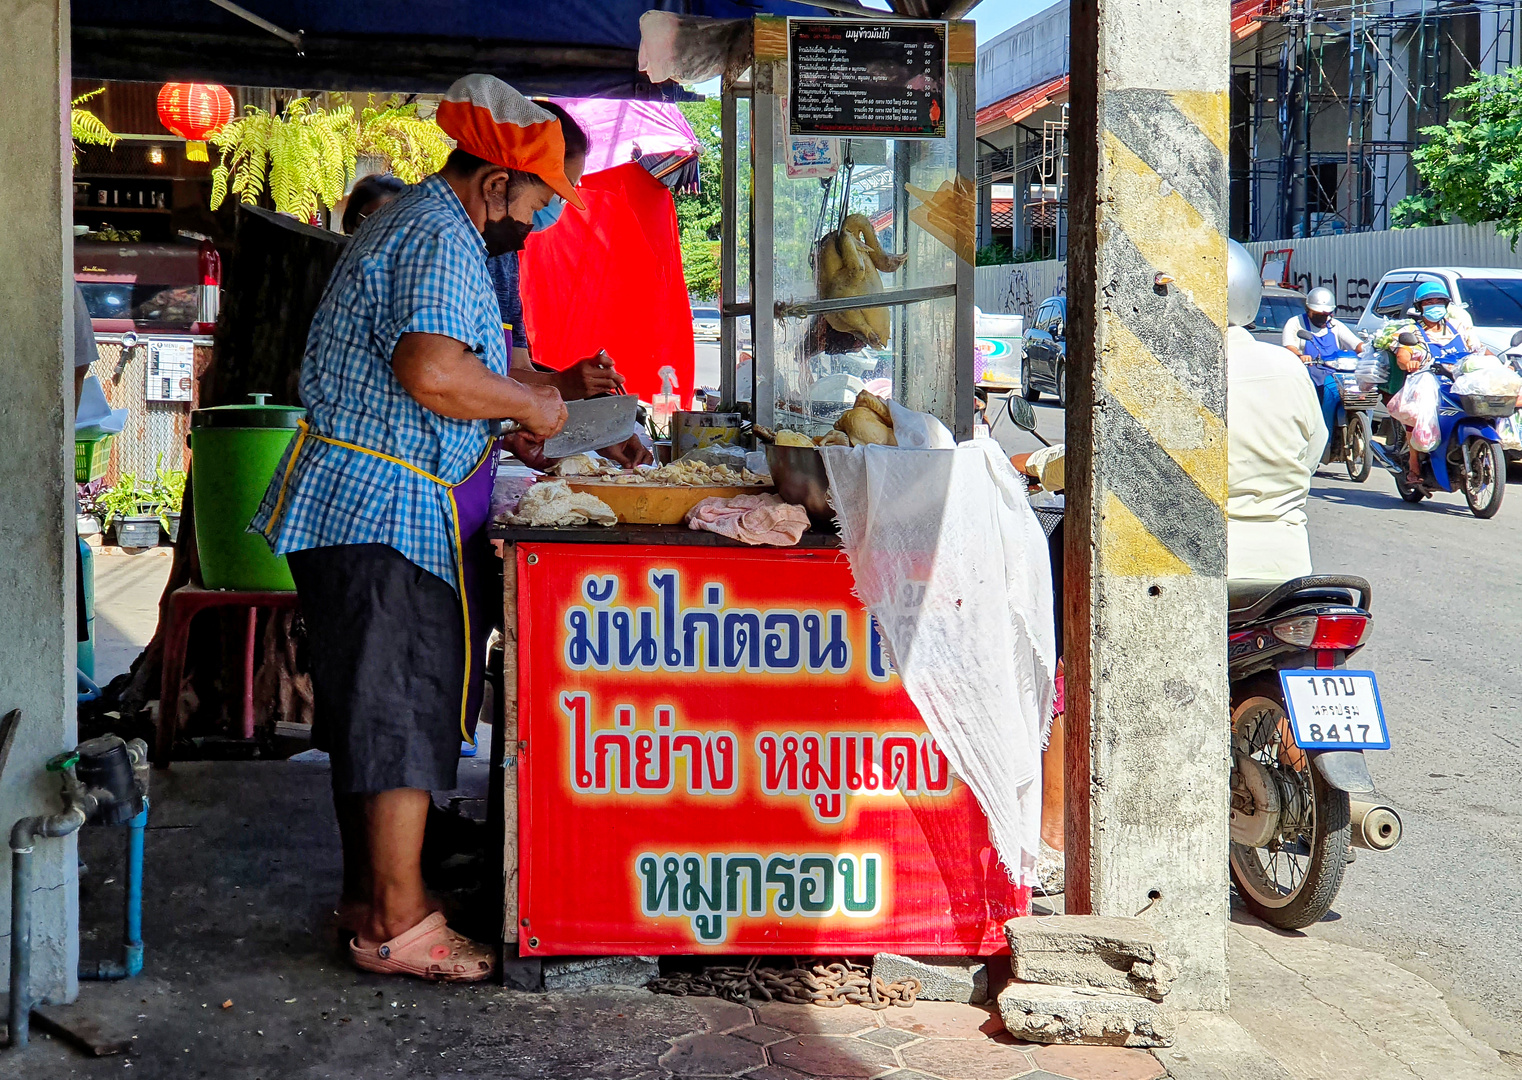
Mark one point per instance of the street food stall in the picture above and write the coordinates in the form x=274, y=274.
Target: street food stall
x=703, y=746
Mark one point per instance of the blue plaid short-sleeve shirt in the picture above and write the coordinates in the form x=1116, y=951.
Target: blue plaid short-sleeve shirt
x=418, y=265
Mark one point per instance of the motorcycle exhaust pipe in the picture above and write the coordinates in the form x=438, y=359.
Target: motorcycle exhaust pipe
x=1375, y=827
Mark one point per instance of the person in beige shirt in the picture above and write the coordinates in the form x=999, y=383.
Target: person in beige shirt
x=1275, y=436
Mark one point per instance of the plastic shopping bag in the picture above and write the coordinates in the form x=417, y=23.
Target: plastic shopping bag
x=1493, y=380
x=1373, y=369
x=1416, y=407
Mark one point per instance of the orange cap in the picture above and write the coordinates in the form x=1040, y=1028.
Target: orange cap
x=491, y=120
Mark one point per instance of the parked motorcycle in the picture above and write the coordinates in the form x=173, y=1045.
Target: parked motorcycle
x=1468, y=455
x=1348, y=411
x=1300, y=723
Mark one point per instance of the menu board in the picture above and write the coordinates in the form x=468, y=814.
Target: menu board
x=171, y=367
x=874, y=79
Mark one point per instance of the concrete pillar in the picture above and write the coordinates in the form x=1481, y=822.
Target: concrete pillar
x=1146, y=537
x=37, y=644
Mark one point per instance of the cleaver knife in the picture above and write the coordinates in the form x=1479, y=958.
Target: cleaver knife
x=594, y=423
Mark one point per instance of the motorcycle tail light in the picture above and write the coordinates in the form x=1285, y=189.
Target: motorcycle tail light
x=1340, y=631
x=1323, y=631
x=1300, y=630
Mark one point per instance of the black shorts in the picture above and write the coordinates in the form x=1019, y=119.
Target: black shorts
x=387, y=646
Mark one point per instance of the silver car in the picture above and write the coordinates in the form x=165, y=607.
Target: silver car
x=705, y=323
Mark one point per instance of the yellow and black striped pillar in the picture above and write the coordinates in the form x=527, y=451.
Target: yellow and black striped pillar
x=1145, y=648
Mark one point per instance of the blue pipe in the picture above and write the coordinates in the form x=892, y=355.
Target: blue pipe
x=132, y=922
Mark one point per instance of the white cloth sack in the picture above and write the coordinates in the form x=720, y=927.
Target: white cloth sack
x=951, y=561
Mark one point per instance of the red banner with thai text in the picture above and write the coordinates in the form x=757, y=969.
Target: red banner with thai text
x=716, y=756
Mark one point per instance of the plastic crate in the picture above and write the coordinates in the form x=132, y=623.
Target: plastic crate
x=91, y=458
x=1488, y=404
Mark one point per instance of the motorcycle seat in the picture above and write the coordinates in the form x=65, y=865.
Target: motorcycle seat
x=1249, y=601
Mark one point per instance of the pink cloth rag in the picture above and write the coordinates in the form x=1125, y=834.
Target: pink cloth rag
x=753, y=519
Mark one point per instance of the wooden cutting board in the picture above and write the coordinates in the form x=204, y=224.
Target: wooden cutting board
x=656, y=504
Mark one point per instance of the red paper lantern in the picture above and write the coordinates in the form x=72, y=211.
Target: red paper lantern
x=195, y=111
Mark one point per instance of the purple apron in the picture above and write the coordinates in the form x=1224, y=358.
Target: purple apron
x=479, y=587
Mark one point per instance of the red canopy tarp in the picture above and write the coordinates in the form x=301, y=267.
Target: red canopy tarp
x=611, y=278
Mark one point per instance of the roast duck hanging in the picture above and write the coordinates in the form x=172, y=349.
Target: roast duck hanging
x=847, y=264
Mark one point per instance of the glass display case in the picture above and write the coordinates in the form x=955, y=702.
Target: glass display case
x=859, y=249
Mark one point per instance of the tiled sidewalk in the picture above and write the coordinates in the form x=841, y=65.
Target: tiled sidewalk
x=931, y=1041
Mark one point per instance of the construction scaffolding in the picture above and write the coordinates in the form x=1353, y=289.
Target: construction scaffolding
x=1330, y=97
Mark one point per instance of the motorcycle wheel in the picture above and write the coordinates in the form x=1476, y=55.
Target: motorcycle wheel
x=1292, y=882
x=1485, y=483
x=1357, y=448
x=1027, y=389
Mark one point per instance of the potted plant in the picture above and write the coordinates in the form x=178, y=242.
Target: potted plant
x=89, y=518
x=125, y=507
x=168, y=496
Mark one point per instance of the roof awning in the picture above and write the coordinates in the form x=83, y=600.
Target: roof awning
x=1247, y=16
x=1017, y=107
x=569, y=48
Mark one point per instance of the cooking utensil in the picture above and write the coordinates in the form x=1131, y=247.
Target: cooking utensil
x=594, y=423
x=798, y=472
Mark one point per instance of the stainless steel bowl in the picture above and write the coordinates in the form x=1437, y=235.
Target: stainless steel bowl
x=798, y=472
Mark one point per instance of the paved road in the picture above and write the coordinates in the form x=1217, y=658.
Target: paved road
x=1447, y=645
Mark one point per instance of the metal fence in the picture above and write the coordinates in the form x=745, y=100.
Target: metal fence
x=1019, y=288
x=1350, y=265
x=154, y=435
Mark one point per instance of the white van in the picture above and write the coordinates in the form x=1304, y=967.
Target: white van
x=1492, y=297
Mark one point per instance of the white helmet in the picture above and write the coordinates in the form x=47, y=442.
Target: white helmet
x=1244, y=286
x=1321, y=301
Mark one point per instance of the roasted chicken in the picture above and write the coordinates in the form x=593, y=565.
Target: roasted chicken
x=848, y=264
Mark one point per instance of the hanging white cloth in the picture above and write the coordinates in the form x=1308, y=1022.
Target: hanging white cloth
x=950, y=559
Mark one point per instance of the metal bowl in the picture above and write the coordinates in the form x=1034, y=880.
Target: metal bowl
x=798, y=472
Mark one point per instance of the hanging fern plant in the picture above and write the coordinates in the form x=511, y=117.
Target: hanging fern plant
x=86, y=128
x=305, y=155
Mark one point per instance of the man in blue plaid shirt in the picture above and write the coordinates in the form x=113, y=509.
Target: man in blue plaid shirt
x=382, y=501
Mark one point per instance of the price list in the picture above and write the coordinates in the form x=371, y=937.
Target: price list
x=855, y=78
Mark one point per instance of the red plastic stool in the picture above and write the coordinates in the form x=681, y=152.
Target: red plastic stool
x=184, y=604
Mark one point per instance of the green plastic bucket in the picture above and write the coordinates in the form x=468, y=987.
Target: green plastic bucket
x=235, y=449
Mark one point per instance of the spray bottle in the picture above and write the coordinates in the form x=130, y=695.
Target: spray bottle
x=665, y=402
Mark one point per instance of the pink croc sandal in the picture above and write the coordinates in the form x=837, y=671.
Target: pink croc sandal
x=430, y=950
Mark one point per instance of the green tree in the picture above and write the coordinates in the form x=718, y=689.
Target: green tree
x=698, y=216
x=1471, y=167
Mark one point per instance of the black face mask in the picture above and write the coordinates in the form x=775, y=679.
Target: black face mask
x=1320, y=318
x=508, y=234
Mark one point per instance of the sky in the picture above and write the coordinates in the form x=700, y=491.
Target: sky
x=996, y=16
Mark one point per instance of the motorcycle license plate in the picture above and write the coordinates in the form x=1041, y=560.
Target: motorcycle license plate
x=1335, y=709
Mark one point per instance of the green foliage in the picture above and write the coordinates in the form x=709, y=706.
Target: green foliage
x=999, y=253
x=166, y=494
x=414, y=147
x=1471, y=167
x=86, y=128
x=698, y=216
x=120, y=500
x=995, y=254
x=305, y=156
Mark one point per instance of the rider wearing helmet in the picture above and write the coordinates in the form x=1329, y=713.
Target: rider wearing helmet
x=1331, y=334
x=1445, y=344
x=1275, y=435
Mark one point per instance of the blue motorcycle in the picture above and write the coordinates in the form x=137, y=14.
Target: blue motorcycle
x=1347, y=410
x=1468, y=455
